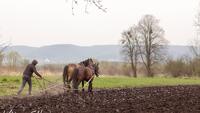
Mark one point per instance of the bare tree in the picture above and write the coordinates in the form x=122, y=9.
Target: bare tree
x=13, y=59
x=24, y=62
x=195, y=47
x=1, y=58
x=3, y=46
x=197, y=20
x=195, y=43
x=130, y=48
x=151, y=42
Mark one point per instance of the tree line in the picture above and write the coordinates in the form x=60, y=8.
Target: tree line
x=12, y=60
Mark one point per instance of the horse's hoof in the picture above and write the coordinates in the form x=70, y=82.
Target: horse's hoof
x=75, y=91
x=90, y=93
x=68, y=86
x=64, y=85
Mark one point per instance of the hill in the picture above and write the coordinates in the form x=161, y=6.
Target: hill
x=65, y=53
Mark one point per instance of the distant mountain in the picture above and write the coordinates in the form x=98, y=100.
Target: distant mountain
x=178, y=51
x=65, y=53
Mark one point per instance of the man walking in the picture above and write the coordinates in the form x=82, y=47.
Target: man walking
x=27, y=74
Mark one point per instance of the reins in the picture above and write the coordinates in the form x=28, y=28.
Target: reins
x=40, y=85
x=52, y=85
x=44, y=88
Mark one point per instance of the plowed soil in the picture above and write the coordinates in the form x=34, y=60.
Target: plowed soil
x=169, y=99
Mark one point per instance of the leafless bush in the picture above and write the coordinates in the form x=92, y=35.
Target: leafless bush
x=179, y=67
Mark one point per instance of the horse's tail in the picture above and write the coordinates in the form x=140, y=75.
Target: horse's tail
x=65, y=74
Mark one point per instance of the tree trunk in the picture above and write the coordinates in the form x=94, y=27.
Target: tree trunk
x=149, y=72
x=134, y=69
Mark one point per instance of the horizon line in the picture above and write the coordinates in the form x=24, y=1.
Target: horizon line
x=82, y=45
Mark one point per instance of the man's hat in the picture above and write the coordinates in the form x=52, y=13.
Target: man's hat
x=34, y=62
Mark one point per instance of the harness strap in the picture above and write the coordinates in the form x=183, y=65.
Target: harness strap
x=88, y=81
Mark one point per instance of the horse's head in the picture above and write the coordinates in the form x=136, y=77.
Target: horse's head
x=96, y=69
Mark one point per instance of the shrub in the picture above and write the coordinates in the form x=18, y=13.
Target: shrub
x=4, y=80
x=178, y=67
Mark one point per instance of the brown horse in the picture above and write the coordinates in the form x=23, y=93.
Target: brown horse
x=82, y=74
x=69, y=70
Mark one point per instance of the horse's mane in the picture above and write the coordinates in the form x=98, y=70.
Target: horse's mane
x=86, y=62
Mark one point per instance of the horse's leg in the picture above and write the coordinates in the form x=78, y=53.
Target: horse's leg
x=72, y=76
x=68, y=82
x=75, y=80
x=90, y=87
x=83, y=86
x=64, y=82
x=75, y=85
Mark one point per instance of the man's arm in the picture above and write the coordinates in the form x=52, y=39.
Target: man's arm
x=35, y=71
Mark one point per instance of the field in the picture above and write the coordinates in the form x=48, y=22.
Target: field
x=10, y=84
x=166, y=99
x=116, y=94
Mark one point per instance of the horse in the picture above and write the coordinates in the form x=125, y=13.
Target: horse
x=82, y=74
x=69, y=70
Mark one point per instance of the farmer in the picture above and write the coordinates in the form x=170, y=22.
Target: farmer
x=27, y=74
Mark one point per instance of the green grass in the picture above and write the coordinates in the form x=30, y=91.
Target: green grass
x=10, y=84
x=119, y=81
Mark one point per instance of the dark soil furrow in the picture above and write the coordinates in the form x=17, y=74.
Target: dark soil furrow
x=171, y=99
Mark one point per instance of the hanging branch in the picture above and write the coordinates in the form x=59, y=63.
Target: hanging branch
x=96, y=3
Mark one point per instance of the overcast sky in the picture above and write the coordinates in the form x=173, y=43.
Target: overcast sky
x=46, y=22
